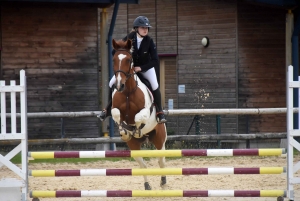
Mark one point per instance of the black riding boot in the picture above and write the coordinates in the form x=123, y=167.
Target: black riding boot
x=107, y=111
x=159, y=112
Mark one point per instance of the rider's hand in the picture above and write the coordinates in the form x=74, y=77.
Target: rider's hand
x=137, y=69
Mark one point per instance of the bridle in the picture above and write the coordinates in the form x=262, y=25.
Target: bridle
x=127, y=74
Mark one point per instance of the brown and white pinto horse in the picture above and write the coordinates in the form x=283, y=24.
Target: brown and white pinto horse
x=132, y=107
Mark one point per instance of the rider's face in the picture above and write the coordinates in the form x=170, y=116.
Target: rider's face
x=143, y=31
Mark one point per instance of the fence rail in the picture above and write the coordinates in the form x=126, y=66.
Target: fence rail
x=170, y=137
x=221, y=111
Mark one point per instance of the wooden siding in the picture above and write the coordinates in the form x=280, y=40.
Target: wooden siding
x=166, y=14
x=213, y=75
x=242, y=67
x=56, y=44
x=170, y=89
x=262, y=65
x=121, y=28
x=145, y=8
x=207, y=73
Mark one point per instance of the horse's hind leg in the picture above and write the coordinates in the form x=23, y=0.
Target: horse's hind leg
x=142, y=164
x=135, y=144
x=159, y=141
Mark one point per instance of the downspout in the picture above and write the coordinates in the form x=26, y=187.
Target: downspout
x=110, y=67
x=295, y=62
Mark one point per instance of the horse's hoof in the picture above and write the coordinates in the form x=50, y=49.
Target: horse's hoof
x=280, y=198
x=163, y=181
x=147, y=186
x=126, y=138
x=124, y=135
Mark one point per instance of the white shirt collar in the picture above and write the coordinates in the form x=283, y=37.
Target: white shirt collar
x=139, y=41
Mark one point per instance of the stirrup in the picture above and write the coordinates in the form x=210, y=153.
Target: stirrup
x=102, y=115
x=160, y=118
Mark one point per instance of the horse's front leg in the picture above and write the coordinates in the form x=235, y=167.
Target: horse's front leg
x=162, y=164
x=142, y=117
x=116, y=115
x=142, y=164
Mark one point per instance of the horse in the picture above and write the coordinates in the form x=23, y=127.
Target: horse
x=133, y=108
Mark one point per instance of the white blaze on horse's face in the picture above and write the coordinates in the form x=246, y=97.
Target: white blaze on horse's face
x=118, y=76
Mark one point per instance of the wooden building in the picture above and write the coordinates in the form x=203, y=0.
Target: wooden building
x=243, y=66
x=56, y=43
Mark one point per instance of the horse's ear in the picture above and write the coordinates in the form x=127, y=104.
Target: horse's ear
x=115, y=44
x=128, y=44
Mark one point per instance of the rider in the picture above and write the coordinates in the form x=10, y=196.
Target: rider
x=145, y=60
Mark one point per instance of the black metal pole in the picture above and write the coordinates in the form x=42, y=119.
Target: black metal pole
x=110, y=33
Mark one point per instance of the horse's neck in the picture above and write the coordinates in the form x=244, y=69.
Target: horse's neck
x=131, y=84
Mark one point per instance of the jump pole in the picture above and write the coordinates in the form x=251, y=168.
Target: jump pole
x=157, y=153
x=159, y=193
x=156, y=171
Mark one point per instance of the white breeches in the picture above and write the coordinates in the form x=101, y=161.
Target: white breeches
x=150, y=75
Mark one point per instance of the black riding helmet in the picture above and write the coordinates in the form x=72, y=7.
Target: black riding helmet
x=141, y=21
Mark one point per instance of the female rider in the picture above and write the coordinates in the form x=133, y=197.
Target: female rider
x=145, y=60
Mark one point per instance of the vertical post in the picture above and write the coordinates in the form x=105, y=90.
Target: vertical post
x=218, y=119
x=289, y=99
x=24, y=131
x=295, y=53
x=289, y=26
x=290, y=127
x=111, y=30
x=197, y=125
x=62, y=132
x=247, y=131
x=104, y=66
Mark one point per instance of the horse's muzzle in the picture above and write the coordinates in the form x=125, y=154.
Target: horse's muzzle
x=121, y=88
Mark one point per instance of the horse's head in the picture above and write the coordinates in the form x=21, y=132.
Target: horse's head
x=122, y=62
